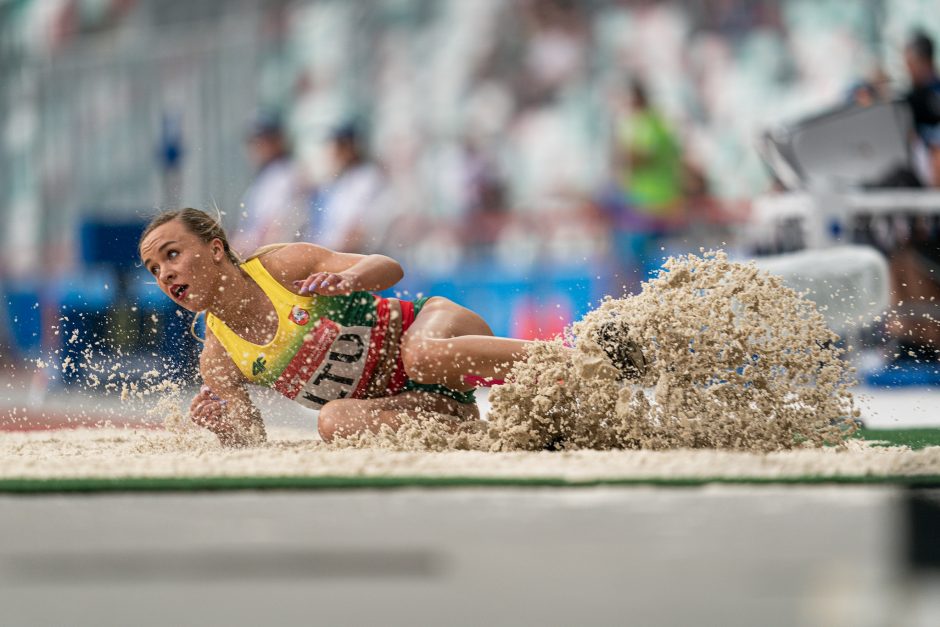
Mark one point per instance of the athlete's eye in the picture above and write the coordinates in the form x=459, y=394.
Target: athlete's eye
x=172, y=254
x=154, y=269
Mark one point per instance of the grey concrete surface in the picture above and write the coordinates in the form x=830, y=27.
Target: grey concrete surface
x=641, y=556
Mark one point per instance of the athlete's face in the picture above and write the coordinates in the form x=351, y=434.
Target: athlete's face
x=186, y=268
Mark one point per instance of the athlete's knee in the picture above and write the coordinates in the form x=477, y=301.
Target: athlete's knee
x=330, y=420
x=423, y=359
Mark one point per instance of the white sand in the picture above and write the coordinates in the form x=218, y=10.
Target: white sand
x=112, y=453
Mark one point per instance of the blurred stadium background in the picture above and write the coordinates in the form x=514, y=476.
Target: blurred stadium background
x=495, y=127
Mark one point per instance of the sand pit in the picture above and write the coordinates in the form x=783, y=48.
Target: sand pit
x=116, y=454
x=742, y=381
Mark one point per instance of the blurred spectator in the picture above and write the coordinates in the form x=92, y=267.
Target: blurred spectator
x=485, y=211
x=915, y=265
x=648, y=201
x=351, y=213
x=873, y=89
x=555, y=48
x=271, y=207
x=649, y=158
x=924, y=100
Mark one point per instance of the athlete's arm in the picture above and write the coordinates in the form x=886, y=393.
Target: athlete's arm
x=311, y=269
x=223, y=405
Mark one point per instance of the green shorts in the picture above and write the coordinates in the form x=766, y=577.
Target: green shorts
x=435, y=388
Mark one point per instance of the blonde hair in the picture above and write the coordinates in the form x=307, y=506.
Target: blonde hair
x=264, y=250
x=197, y=222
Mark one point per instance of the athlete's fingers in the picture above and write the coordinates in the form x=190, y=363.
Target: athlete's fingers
x=319, y=287
x=208, y=413
x=322, y=279
x=204, y=409
x=328, y=281
x=309, y=284
x=335, y=284
x=302, y=284
x=201, y=419
x=215, y=405
x=313, y=281
x=200, y=397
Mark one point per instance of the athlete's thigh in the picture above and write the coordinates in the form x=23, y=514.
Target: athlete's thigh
x=428, y=401
x=443, y=318
x=405, y=402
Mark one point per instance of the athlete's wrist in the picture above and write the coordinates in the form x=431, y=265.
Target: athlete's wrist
x=352, y=280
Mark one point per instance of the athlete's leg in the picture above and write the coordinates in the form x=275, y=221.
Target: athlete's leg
x=345, y=417
x=448, y=342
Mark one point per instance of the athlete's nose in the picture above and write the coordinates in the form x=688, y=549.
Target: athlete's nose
x=167, y=276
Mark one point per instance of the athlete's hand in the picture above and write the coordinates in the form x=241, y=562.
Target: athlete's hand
x=326, y=284
x=207, y=410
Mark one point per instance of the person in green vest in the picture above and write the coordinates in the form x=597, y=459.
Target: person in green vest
x=648, y=201
x=651, y=158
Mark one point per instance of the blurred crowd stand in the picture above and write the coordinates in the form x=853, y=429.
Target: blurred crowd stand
x=496, y=153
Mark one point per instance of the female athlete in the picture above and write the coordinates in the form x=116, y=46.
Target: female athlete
x=304, y=320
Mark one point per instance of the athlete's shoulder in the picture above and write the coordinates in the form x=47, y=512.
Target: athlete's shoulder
x=296, y=254
x=293, y=261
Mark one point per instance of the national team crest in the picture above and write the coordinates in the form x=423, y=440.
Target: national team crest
x=299, y=315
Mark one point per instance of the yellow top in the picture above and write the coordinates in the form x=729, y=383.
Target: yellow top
x=325, y=347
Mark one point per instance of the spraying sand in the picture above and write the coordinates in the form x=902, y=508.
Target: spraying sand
x=735, y=361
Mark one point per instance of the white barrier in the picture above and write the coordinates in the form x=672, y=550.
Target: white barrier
x=849, y=284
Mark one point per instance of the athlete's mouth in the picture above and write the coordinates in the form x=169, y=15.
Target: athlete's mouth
x=179, y=290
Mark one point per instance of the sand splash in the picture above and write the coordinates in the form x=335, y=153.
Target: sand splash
x=736, y=361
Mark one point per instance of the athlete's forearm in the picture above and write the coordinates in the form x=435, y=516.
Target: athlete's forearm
x=374, y=273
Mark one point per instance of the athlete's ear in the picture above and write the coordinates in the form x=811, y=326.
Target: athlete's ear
x=218, y=251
